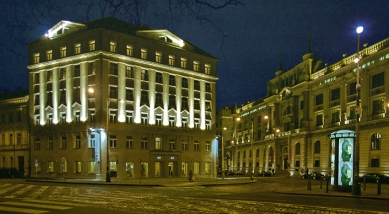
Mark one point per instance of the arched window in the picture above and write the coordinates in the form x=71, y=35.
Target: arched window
x=317, y=147
x=297, y=150
x=376, y=141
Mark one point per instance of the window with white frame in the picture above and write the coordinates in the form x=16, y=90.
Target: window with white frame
x=63, y=142
x=49, y=55
x=184, y=145
x=129, y=142
x=207, y=68
x=172, y=60
x=129, y=72
x=92, y=141
x=77, y=144
x=143, y=53
x=158, y=143
x=36, y=58
x=92, y=45
x=158, y=57
x=172, y=144
x=37, y=143
x=144, y=142
x=62, y=52
x=129, y=50
x=183, y=62
x=207, y=146
x=196, y=145
x=112, y=141
x=196, y=65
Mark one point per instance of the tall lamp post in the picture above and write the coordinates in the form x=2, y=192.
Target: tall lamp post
x=223, y=165
x=356, y=189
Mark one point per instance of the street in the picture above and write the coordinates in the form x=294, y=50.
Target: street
x=264, y=196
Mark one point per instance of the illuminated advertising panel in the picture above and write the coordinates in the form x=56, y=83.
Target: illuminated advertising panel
x=346, y=160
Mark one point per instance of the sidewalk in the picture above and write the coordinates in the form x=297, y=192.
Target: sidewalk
x=369, y=191
x=157, y=182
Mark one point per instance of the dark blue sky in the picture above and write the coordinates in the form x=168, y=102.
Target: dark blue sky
x=247, y=39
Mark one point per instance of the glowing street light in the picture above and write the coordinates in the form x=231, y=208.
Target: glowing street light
x=356, y=189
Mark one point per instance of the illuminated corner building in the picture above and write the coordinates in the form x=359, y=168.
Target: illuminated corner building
x=14, y=132
x=147, y=95
x=310, y=102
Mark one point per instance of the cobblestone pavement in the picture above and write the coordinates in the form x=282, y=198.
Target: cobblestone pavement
x=152, y=199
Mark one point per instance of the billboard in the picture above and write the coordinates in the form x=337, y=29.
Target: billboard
x=345, y=161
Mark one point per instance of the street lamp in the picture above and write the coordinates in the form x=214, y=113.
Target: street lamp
x=356, y=189
x=224, y=128
x=251, y=141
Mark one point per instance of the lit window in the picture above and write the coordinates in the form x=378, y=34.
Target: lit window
x=196, y=65
x=158, y=57
x=184, y=144
x=77, y=48
x=112, y=47
x=92, y=141
x=171, y=60
x=207, y=68
x=183, y=62
x=207, y=146
x=36, y=58
x=144, y=75
x=78, y=142
x=92, y=44
x=49, y=55
x=129, y=50
x=63, y=52
x=37, y=144
x=143, y=53
x=129, y=72
x=63, y=142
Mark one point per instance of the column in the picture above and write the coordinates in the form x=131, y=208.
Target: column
x=137, y=93
x=55, y=95
x=84, y=91
x=191, y=102
x=178, y=101
x=121, y=93
x=69, y=93
x=165, y=98
x=152, y=97
x=202, y=105
x=42, y=97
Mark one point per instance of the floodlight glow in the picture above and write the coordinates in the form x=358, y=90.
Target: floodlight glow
x=359, y=29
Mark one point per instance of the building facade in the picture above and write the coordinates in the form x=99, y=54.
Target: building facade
x=14, y=131
x=108, y=95
x=290, y=128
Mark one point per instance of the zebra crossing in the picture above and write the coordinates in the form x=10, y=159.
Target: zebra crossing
x=35, y=206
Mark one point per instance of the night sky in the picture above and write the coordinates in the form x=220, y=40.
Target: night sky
x=248, y=39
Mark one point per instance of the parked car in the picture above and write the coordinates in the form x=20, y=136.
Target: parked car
x=373, y=178
x=315, y=176
x=264, y=174
x=10, y=173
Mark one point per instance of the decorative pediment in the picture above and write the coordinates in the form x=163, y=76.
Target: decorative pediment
x=49, y=109
x=162, y=35
x=185, y=113
x=62, y=108
x=63, y=27
x=159, y=110
x=144, y=108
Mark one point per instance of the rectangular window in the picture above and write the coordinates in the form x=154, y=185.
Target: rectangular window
x=196, y=145
x=207, y=87
x=158, y=57
x=319, y=120
x=113, y=92
x=19, y=139
x=172, y=60
x=374, y=162
x=197, y=85
x=36, y=58
x=92, y=45
x=112, y=46
x=77, y=48
x=144, y=97
x=196, y=65
x=145, y=75
x=158, y=100
x=317, y=163
x=129, y=142
x=172, y=144
x=335, y=94
x=78, y=142
x=63, y=142
x=297, y=163
x=37, y=144
x=184, y=83
x=143, y=53
x=77, y=167
x=158, y=143
x=129, y=50
x=172, y=80
x=92, y=141
x=352, y=114
x=172, y=101
x=319, y=99
x=49, y=55
x=207, y=146
x=197, y=104
x=183, y=62
x=352, y=88
x=62, y=52
x=185, y=103
x=112, y=141
x=50, y=144
x=113, y=69
x=11, y=139
x=378, y=80
x=92, y=167
x=144, y=142
x=335, y=116
x=302, y=105
x=158, y=77
x=377, y=107
x=207, y=69
x=77, y=70
x=129, y=72
x=129, y=95
x=184, y=144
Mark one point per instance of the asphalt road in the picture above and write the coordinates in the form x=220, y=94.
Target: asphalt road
x=259, y=197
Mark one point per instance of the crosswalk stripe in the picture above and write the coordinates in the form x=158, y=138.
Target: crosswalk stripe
x=21, y=210
x=38, y=192
x=36, y=205
x=3, y=191
x=13, y=195
x=55, y=202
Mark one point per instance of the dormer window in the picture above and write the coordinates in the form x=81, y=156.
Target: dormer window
x=63, y=52
x=49, y=55
x=77, y=48
x=143, y=53
x=196, y=65
x=183, y=62
x=129, y=50
x=92, y=45
x=112, y=47
x=36, y=58
x=165, y=39
x=158, y=57
x=207, y=69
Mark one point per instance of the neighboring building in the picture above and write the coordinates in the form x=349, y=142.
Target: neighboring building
x=14, y=131
x=143, y=99
x=290, y=128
